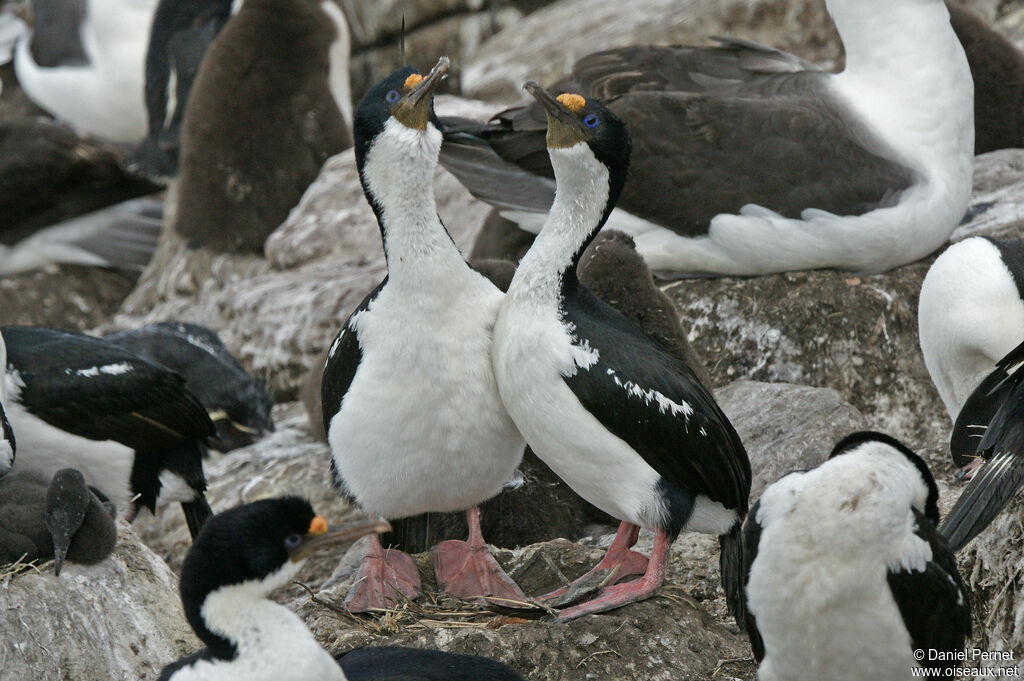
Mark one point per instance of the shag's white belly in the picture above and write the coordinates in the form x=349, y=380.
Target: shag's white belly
x=422, y=427
x=598, y=465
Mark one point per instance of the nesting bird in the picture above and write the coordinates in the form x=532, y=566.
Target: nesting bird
x=285, y=65
x=622, y=420
x=410, y=403
x=751, y=160
x=238, y=404
x=83, y=63
x=846, y=575
x=58, y=518
x=128, y=425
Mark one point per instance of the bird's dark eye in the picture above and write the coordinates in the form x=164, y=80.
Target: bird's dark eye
x=591, y=120
x=292, y=541
x=392, y=96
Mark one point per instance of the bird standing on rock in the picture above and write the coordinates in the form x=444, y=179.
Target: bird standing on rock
x=623, y=421
x=410, y=403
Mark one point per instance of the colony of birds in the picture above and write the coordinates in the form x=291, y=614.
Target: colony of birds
x=730, y=159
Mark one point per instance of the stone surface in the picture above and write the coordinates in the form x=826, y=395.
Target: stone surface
x=786, y=427
x=546, y=43
x=683, y=633
x=66, y=296
x=120, y=619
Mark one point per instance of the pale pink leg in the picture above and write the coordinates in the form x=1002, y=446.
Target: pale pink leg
x=386, y=579
x=971, y=469
x=618, y=563
x=466, y=569
x=620, y=594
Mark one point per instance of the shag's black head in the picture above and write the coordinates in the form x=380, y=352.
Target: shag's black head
x=573, y=119
x=853, y=441
x=405, y=95
x=249, y=544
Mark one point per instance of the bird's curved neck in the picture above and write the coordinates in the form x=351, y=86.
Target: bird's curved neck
x=398, y=178
x=582, y=204
x=881, y=35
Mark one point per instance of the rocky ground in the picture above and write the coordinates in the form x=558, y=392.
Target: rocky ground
x=798, y=360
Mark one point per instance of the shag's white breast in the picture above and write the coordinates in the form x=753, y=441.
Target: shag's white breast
x=422, y=427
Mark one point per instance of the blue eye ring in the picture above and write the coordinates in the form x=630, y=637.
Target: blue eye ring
x=292, y=541
x=591, y=120
x=392, y=96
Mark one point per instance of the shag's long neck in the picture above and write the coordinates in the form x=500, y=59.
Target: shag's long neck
x=581, y=206
x=398, y=178
x=907, y=75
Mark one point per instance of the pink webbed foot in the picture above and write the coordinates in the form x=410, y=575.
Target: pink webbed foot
x=386, y=579
x=619, y=562
x=465, y=569
x=617, y=595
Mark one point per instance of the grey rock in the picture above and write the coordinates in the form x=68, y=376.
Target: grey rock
x=786, y=427
x=997, y=202
x=456, y=36
x=545, y=44
x=120, y=619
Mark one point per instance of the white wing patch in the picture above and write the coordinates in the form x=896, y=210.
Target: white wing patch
x=665, y=404
x=334, y=345
x=108, y=369
x=201, y=344
x=583, y=356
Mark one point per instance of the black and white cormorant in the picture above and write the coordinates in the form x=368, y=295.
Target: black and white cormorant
x=846, y=576
x=57, y=518
x=750, y=160
x=245, y=553
x=83, y=63
x=612, y=411
x=410, y=404
x=238, y=404
x=285, y=65
x=238, y=559
x=128, y=425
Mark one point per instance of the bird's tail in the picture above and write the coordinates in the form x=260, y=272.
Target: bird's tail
x=731, y=567
x=197, y=512
x=986, y=495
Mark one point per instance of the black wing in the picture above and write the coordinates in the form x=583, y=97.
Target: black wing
x=393, y=663
x=998, y=479
x=714, y=129
x=342, y=362
x=97, y=390
x=980, y=408
x=653, y=401
x=934, y=603
x=751, y=542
